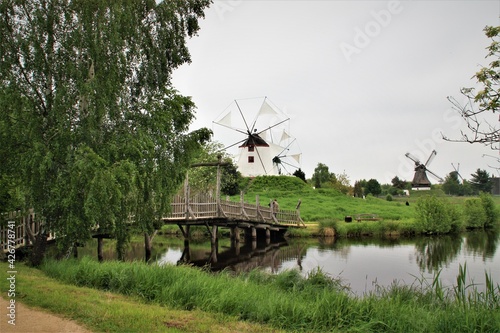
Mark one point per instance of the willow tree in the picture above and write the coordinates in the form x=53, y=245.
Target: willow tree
x=94, y=129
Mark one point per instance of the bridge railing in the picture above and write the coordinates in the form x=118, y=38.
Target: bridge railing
x=206, y=206
x=15, y=229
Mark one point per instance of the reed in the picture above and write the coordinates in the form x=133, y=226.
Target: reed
x=314, y=303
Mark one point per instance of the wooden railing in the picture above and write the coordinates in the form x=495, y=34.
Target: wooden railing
x=204, y=206
x=18, y=229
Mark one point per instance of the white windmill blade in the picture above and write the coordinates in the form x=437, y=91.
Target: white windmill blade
x=296, y=157
x=234, y=144
x=285, y=136
x=233, y=128
x=266, y=109
x=260, y=159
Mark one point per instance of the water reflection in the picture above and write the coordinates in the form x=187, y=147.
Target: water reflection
x=240, y=257
x=482, y=244
x=363, y=264
x=432, y=253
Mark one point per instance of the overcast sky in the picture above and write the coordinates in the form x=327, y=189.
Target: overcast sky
x=363, y=82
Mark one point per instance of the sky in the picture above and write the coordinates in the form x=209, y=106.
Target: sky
x=363, y=82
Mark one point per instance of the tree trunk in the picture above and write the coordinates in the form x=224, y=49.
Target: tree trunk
x=147, y=246
x=39, y=248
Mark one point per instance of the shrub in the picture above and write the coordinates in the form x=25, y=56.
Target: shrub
x=489, y=210
x=388, y=197
x=475, y=214
x=433, y=215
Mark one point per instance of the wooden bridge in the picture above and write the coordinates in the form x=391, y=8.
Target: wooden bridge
x=212, y=212
x=202, y=209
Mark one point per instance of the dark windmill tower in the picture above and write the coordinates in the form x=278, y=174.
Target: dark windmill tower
x=420, y=180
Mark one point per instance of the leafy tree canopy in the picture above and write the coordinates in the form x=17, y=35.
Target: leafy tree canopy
x=300, y=174
x=481, y=181
x=203, y=179
x=373, y=187
x=92, y=129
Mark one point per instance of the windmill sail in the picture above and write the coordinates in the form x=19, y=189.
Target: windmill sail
x=258, y=153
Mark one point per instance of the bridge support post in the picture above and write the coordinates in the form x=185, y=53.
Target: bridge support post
x=214, y=245
x=100, y=257
x=235, y=234
x=268, y=236
x=251, y=233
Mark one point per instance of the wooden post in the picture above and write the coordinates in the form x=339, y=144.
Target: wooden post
x=214, y=233
x=186, y=196
x=147, y=247
x=217, y=191
x=100, y=257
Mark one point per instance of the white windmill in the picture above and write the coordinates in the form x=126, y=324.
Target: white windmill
x=265, y=146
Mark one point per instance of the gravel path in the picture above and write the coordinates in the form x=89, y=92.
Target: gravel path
x=29, y=320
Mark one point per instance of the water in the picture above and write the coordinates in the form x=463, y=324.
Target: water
x=362, y=264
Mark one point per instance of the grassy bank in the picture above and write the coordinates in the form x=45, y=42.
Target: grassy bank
x=104, y=311
x=325, y=208
x=289, y=302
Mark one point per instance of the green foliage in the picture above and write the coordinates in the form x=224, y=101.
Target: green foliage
x=263, y=184
x=399, y=183
x=315, y=303
x=452, y=184
x=204, y=178
x=373, y=187
x=481, y=181
x=358, y=189
x=300, y=174
x=90, y=122
x=321, y=175
x=492, y=214
x=474, y=213
x=388, y=197
x=434, y=215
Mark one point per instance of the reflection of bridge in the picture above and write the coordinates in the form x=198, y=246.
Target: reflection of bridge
x=244, y=258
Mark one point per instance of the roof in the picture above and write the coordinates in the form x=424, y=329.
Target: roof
x=254, y=140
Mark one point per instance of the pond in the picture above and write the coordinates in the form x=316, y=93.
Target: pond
x=364, y=265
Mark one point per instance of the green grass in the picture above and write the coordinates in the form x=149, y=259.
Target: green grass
x=104, y=311
x=328, y=204
x=290, y=302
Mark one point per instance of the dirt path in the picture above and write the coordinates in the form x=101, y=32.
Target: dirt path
x=27, y=317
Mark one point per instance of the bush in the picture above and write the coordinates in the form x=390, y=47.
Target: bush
x=489, y=210
x=433, y=215
x=388, y=197
x=475, y=214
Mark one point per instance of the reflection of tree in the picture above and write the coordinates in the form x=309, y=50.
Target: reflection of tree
x=435, y=252
x=482, y=243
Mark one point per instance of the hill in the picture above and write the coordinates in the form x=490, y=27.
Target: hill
x=322, y=203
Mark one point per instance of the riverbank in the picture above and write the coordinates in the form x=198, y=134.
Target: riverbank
x=135, y=297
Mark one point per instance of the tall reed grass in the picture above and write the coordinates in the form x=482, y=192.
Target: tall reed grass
x=315, y=303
